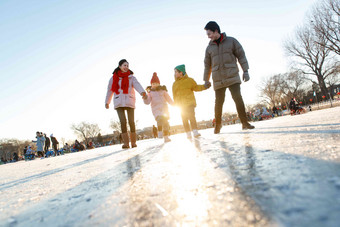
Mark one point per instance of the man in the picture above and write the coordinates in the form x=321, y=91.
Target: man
x=54, y=144
x=220, y=60
x=47, y=143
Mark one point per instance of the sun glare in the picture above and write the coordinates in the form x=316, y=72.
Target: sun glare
x=192, y=201
x=175, y=116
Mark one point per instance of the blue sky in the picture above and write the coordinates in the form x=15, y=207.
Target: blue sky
x=57, y=56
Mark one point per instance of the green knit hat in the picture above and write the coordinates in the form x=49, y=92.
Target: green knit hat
x=181, y=68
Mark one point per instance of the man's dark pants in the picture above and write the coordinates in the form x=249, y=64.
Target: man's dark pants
x=235, y=91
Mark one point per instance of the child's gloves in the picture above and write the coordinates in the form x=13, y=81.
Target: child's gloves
x=246, y=76
x=207, y=84
x=145, y=96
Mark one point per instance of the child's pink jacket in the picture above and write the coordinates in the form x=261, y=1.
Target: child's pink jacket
x=159, y=100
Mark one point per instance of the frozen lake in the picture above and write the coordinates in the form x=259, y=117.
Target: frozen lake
x=285, y=172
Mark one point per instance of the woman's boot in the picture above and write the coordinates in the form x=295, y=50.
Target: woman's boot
x=125, y=137
x=133, y=139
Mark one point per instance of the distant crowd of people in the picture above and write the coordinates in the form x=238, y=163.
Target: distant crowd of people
x=295, y=107
x=46, y=147
x=45, y=150
x=43, y=144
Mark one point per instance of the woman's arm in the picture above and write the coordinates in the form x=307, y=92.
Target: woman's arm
x=138, y=87
x=109, y=94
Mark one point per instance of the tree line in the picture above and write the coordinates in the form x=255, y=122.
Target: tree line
x=313, y=51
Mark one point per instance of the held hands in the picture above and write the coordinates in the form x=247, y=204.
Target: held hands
x=246, y=76
x=207, y=84
x=145, y=96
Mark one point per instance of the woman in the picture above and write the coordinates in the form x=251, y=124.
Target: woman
x=40, y=143
x=122, y=86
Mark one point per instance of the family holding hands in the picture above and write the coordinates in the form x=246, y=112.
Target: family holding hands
x=220, y=61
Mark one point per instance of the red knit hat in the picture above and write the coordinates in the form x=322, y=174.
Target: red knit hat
x=155, y=78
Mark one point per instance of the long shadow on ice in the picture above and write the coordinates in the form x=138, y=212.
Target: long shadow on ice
x=321, y=128
x=75, y=205
x=326, y=131
x=301, y=126
x=292, y=189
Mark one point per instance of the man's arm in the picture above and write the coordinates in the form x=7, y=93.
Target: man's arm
x=240, y=55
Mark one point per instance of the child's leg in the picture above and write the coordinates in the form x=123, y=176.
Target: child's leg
x=185, y=119
x=192, y=118
x=159, y=120
x=166, y=127
x=193, y=122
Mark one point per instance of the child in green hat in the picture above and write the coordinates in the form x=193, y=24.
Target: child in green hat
x=183, y=92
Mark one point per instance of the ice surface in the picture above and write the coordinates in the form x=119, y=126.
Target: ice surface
x=285, y=172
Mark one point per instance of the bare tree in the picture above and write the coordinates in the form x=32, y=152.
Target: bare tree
x=268, y=90
x=115, y=125
x=272, y=89
x=326, y=23
x=280, y=88
x=333, y=80
x=99, y=138
x=295, y=85
x=85, y=130
x=9, y=146
x=314, y=59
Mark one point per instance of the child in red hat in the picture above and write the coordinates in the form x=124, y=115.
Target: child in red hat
x=159, y=98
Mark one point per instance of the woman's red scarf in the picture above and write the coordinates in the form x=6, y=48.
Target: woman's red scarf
x=124, y=84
